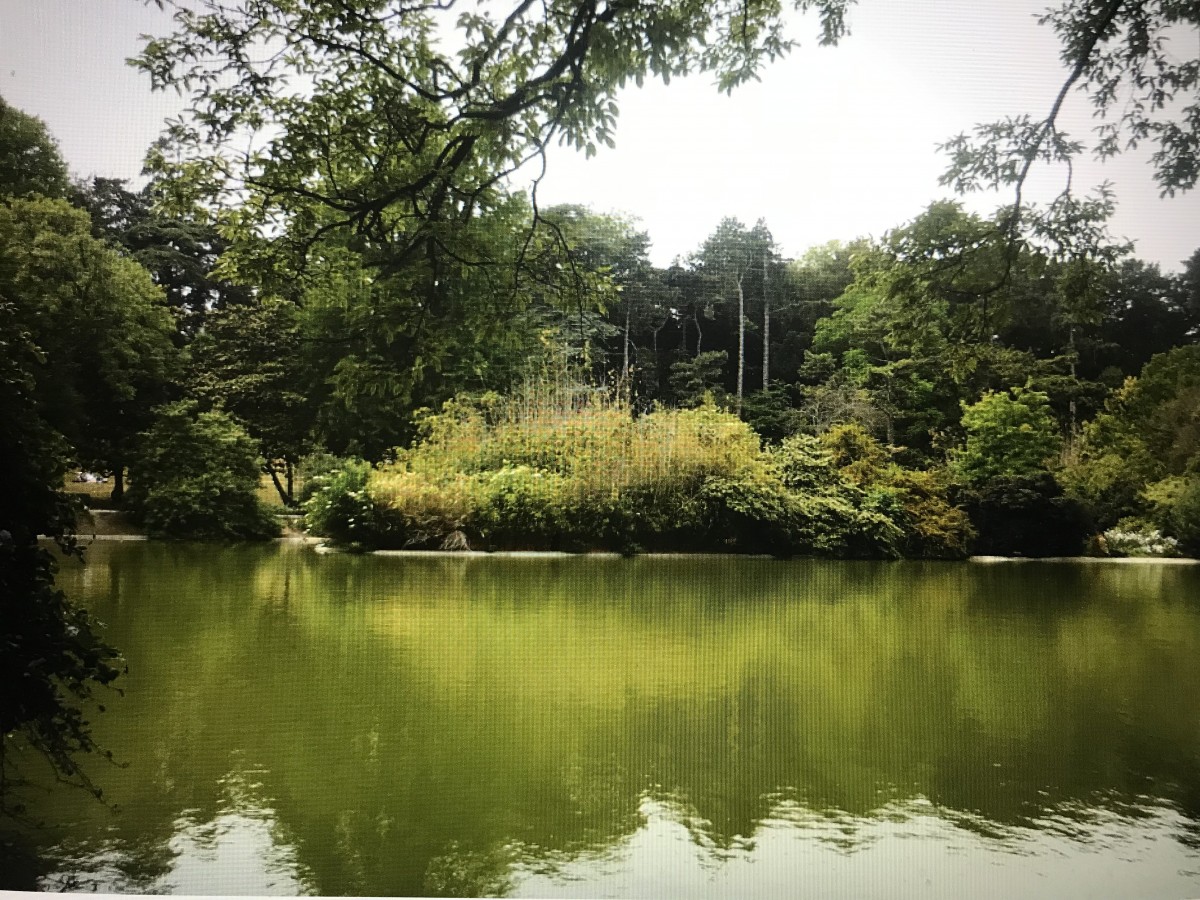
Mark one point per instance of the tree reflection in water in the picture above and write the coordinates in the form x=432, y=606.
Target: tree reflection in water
x=400, y=726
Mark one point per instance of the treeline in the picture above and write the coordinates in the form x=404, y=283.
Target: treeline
x=955, y=388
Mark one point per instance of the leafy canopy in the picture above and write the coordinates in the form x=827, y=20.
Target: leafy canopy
x=395, y=122
x=29, y=159
x=1009, y=435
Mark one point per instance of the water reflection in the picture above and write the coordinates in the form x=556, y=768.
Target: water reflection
x=242, y=849
x=560, y=727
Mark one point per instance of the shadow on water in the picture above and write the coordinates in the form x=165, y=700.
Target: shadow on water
x=297, y=723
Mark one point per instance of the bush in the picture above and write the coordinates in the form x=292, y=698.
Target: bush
x=1027, y=516
x=568, y=467
x=1009, y=435
x=341, y=509
x=196, y=475
x=1176, y=509
x=311, y=469
x=924, y=522
x=1137, y=537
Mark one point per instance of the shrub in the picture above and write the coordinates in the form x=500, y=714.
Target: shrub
x=1137, y=537
x=196, y=475
x=569, y=467
x=1009, y=435
x=1175, y=504
x=341, y=509
x=311, y=469
x=1027, y=516
x=917, y=503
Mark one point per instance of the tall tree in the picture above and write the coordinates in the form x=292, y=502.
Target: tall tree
x=180, y=252
x=29, y=159
x=250, y=361
x=733, y=258
x=52, y=658
x=100, y=322
x=769, y=258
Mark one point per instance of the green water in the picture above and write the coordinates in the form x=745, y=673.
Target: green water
x=304, y=723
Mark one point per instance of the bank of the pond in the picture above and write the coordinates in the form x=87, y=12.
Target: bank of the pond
x=323, y=546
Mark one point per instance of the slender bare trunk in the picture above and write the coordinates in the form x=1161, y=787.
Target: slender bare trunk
x=766, y=330
x=269, y=468
x=1074, y=382
x=625, y=346
x=741, y=340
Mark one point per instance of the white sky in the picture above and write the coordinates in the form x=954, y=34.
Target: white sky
x=833, y=143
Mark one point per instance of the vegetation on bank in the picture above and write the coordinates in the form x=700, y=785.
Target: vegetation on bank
x=568, y=468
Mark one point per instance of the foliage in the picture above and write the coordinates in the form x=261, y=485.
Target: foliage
x=1026, y=515
x=248, y=362
x=1009, y=436
x=99, y=322
x=339, y=508
x=1175, y=507
x=918, y=502
x=1121, y=55
x=772, y=413
x=30, y=162
x=74, y=323
x=180, y=252
x=400, y=136
x=52, y=656
x=313, y=468
x=568, y=467
x=1147, y=433
x=195, y=475
x=697, y=380
x=1138, y=538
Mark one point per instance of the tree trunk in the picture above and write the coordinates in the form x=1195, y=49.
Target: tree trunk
x=741, y=341
x=118, y=492
x=269, y=468
x=766, y=330
x=1074, y=382
x=625, y=346
x=291, y=482
x=699, y=333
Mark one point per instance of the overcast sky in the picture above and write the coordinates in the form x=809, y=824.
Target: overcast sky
x=833, y=143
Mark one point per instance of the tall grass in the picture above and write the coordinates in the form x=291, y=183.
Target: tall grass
x=588, y=434
x=563, y=465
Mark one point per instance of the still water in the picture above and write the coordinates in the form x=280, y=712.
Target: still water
x=301, y=723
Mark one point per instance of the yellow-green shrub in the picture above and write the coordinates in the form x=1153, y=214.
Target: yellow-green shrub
x=566, y=467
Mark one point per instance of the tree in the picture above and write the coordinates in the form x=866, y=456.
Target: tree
x=1009, y=435
x=378, y=346
x=1145, y=313
x=1120, y=53
x=195, y=475
x=179, y=252
x=735, y=259
x=29, y=159
x=100, y=325
x=51, y=657
x=401, y=137
x=249, y=361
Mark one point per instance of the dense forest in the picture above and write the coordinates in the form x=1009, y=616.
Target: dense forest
x=361, y=310
x=934, y=392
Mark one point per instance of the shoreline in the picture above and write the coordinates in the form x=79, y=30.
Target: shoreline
x=318, y=545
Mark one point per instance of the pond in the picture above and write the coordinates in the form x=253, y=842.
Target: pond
x=302, y=723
